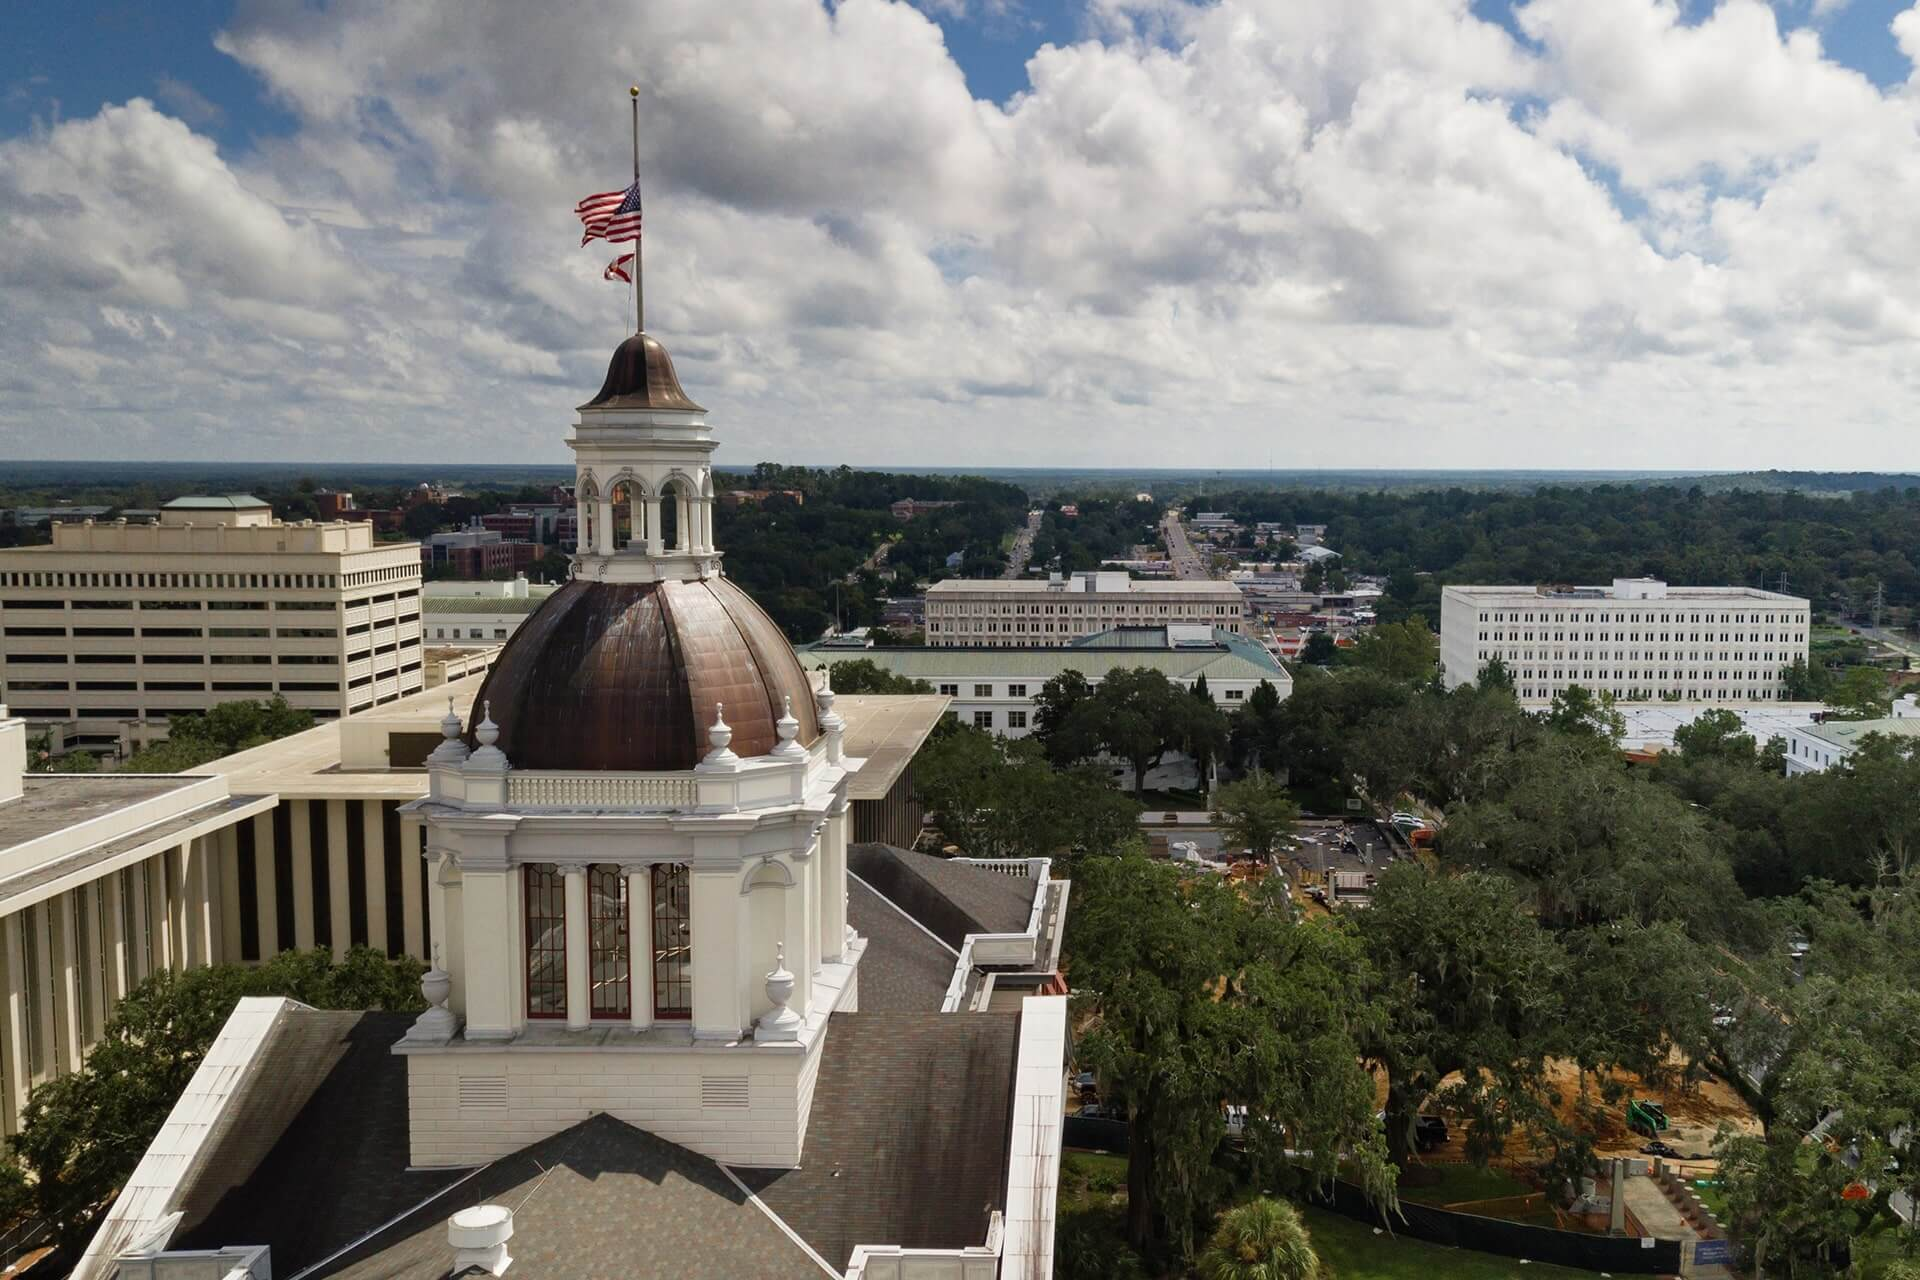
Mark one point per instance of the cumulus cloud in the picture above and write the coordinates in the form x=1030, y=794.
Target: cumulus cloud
x=1364, y=232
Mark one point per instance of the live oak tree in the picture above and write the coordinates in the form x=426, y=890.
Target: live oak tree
x=1406, y=651
x=998, y=798
x=1254, y=813
x=1467, y=985
x=1135, y=714
x=1198, y=995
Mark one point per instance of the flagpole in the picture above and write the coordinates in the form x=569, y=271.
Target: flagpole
x=639, y=281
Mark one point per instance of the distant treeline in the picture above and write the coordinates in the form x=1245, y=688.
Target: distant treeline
x=1833, y=550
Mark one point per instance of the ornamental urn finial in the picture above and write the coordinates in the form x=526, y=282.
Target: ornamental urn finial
x=789, y=729
x=780, y=1022
x=719, y=736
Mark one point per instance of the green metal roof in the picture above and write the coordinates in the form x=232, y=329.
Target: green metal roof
x=484, y=604
x=230, y=502
x=1848, y=733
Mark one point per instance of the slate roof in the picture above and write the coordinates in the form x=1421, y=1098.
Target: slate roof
x=601, y=1199
x=950, y=898
x=906, y=969
x=916, y=1155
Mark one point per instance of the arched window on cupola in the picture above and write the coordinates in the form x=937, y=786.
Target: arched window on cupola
x=609, y=954
x=675, y=525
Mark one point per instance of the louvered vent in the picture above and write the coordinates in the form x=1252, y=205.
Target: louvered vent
x=723, y=1091
x=483, y=1093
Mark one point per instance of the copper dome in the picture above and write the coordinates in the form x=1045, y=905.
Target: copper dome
x=610, y=677
x=641, y=376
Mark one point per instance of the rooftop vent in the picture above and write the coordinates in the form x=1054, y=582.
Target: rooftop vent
x=479, y=1238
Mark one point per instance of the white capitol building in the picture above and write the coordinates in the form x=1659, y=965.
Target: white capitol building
x=655, y=1034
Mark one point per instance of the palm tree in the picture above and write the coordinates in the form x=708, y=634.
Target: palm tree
x=1260, y=1240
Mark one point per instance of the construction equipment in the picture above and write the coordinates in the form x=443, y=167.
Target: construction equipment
x=1645, y=1116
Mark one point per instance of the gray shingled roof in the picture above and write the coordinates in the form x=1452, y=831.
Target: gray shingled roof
x=917, y=1154
x=906, y=969
x=313, y=1153
x=599, y=1199
x=950, y=898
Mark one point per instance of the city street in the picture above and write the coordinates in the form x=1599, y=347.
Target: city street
x=1187, y=564
x=1022, y=546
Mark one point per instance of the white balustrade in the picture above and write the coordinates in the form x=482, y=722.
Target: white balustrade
x=538, y=790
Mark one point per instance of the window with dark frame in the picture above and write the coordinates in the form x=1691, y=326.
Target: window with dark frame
x=546, y=916
x=672, y=942
x=611, y=956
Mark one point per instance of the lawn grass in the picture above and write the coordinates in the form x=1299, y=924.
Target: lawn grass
x=1354, y=1253
x=1457, y=1183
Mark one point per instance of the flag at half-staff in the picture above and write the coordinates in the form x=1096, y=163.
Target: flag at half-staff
x=613, y=216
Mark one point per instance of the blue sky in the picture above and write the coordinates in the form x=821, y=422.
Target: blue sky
x=1303, y=233
x=65, y=58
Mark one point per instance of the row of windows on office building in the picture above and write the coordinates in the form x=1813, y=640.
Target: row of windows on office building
x=1714, y=617
x=1664, y=637
x=1682, y=657
x=108, y=579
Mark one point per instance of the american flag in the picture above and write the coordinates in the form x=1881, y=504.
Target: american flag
x=613, y=216
x=617, y=269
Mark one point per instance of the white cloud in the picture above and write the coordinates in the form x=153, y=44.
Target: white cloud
x=1358, y=233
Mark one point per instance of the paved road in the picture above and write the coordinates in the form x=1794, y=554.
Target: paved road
x=1022, y=546
x=1187, y=564
x=1892, y=639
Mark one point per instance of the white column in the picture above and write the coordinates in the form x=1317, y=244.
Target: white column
x=44, y=1015
x=67, y=1032
x=139, y=952
x=301, y=829
x=199, y=903
x=118, y=977
x=603, y=526
x=266, y=891
x=491, y=944
x=640, y=945
x=683, y=519
x=412, y=909
x=579, y=1004
x=580, y=542
x=636, y=519
x=719, y=919
x=103, y=998
x=13, y=1022
x=338, y=908
x=229, y=874
x=653, y=526
x=373, y=846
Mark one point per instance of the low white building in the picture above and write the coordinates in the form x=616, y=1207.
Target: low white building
x=1639, y=640
x=478, y=614
x=995, y=688
x=1814, y=748
x=1022, y=613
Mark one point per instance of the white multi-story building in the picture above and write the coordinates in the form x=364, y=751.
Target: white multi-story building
x=995, y=687
x=1030, y=612
x=1639, y=639
x=114, y=627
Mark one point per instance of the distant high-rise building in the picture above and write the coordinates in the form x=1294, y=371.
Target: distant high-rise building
x=1639, y=639
x=115, y=627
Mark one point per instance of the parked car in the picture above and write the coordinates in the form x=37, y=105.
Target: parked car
x=1430, y=1132
x=1660, y=1149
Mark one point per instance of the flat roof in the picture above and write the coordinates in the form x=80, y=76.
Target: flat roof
x=1848, y=733
x=1040, y=586
x=483, y=604
x=55, y=801
x=306, y=766
x=886, y=729
x=1650, y=725
x=1604, y=594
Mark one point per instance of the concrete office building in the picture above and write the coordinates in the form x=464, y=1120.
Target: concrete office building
x=105, y=879
x=114, y=627
x=995, y=613
x=1639, y=640
x=994, y=687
